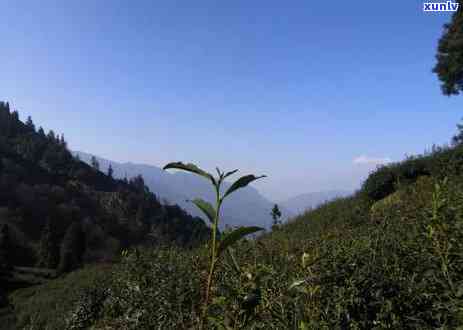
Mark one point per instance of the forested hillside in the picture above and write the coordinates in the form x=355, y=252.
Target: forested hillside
x=58, y=212
x=247, y=207
x=390, y=256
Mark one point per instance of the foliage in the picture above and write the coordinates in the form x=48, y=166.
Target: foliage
x=449, y=67
x=48, y=247
x=72, y=248
x=5, y=248
x=218, y=244
x=110, y=171
x=41, y=182
x=350, y=263
x=95, y=163
x=155, y=289
x=276, y=215
x=52, y=305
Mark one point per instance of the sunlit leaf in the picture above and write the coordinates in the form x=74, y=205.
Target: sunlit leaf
x=296, y=284
x=192, y=168
x=241, y=183
x=206, y=207
x=234, y=236
x=303, y=326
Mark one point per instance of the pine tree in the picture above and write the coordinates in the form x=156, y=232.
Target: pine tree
x=95, y=163
x=41, y=132
x=49, y=247
x=62, y=141
x=110, y=171
x=51, y=136
x=72, y=248
x=30, y=124
x=276, y=215
x=449, y=67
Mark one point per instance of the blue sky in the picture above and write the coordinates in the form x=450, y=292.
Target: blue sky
x=305, y=92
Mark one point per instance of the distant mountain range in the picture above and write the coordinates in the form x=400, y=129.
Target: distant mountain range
x=301, y=203
x=246, y=207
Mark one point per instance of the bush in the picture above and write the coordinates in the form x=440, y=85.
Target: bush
x=380, y=183
x=154, y=289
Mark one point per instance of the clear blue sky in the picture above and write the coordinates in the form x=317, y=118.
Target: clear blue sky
x=294, y=89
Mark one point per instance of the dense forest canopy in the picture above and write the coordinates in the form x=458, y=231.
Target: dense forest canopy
x=59, y=211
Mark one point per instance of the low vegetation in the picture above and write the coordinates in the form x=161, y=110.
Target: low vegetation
x=357, y=262
x=388, y=257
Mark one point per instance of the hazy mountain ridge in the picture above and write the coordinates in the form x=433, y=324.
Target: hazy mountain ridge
x=246, y=207
x=300, y=203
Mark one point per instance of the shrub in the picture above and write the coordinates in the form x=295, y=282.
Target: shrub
x=380, y=183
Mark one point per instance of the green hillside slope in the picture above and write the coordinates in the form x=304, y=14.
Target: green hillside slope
x=390, y=256
x=57, y=212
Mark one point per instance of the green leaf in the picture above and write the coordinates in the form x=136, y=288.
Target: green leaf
x=229, y=173
x=192, y=168
x=234, y=236
x=206, y=207
x=241, y=183
x=235, y=263
x=296, y=284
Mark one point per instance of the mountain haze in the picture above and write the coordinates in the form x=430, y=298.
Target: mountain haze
x=246, y=207
x=300, y=203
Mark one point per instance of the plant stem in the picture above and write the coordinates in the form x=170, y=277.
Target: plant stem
x=213, y=260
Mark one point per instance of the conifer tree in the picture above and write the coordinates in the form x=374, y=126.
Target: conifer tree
x=30, y=124
x=51, y=136
x=62, y=141
x=41, y=132
x=110, y=171
x=72, y=248
x=276, y=215
x=49, y=247
x=95, y=164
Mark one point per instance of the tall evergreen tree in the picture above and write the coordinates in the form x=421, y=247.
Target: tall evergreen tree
x=449, y=67
x=51, y=136
x=41, y=132
x=110, y=171
x=62, y=141
x=49, y=247
x=95, y=164
x=30, y=123
x=276, y=215
x=72, y=248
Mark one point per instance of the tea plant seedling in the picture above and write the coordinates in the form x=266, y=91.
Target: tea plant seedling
x=218, y=246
